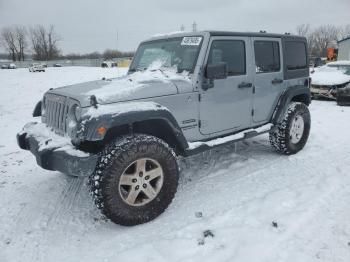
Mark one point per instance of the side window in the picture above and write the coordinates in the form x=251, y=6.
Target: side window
x=267, y=56
x=231, y=52
x=295, y=55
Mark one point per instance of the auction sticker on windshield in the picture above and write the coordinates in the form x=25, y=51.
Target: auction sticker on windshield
x=191, y=40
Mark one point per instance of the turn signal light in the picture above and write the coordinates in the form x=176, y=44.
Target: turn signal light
x=101, y=131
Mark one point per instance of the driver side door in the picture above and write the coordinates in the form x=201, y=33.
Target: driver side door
x=226, y=106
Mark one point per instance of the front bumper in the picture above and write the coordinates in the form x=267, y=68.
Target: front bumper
x=326, y=92
x=53, y=155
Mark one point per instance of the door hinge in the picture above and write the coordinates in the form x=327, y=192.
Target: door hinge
x=253, y=89
x=199, y=97
x=252, y=112
x=199, y=123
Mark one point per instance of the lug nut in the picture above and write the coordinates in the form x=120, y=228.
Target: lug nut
x=144, y=185
x=137, y=187
x=146, y=177
x=134, y=180
x=140, y=174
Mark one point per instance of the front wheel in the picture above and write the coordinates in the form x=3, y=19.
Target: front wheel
x=135, y=179
x=291, y=135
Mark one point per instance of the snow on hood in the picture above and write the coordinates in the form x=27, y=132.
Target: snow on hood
x=329, y=76
x=120, y=108
x=154, y=81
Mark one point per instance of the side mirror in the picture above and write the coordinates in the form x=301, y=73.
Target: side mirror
x=216, y=71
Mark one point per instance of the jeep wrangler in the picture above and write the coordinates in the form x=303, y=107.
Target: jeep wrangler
x=184, y=93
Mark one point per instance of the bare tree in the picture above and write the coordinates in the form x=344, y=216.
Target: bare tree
x=306, y=31
x=344, y=32
x=21, y=40
x=44, y=42
x=320, y=38
x=323, y=36
x=8, y=40
x=303, y=30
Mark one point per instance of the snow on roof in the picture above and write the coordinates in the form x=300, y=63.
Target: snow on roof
x=170, y=33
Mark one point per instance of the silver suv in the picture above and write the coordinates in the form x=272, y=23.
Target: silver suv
x=184, y=93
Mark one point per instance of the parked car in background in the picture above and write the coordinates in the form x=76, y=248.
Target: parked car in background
x=12, y=66
x=4, y=66
x=316, y=61
x=109, y=64
x=327, y=79
x=57, y=65
x=36, y=68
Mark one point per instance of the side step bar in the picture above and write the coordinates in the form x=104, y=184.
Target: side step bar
x=199, y=147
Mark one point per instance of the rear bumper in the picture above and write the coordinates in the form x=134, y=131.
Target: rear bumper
x=64, y=159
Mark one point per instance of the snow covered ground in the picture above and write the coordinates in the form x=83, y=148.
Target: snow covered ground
x=236, y=193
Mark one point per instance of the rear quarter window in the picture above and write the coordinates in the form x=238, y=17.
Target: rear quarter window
x=295, y=55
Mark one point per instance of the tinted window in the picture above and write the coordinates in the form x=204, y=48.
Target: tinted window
x=295, y=55
x=231, y=52
x=267, y=56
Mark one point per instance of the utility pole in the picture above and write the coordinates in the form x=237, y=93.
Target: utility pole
x=194, y=27
x=117, y=39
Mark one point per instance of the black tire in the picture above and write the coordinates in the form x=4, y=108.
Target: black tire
x=280, y=138
x=114, y=160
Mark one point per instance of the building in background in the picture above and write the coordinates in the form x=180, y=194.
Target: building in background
x=344, y=49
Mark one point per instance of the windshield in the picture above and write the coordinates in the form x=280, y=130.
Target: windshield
x=180, y=52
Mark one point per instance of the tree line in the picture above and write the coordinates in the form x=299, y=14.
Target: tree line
x=321, y=37
x=43, y=43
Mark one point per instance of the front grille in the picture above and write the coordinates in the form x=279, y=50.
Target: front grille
x=56, y=111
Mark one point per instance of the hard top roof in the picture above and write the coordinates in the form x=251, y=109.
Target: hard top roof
x=224, y=33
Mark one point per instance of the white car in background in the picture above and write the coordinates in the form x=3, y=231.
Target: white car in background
x=36, y=68
x=12, y=66
x=326, y=80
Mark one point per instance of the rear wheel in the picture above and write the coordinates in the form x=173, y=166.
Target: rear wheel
x=135, y=179
x=291, y=135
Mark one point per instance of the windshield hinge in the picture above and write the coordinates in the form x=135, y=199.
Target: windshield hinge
x=252, y=112
x=199, y=123
x=199, y=97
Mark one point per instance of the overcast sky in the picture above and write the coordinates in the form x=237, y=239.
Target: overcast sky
x=89, y=25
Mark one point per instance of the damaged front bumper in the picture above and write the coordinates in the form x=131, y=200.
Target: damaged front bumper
x=326, y=92
x=55, y=153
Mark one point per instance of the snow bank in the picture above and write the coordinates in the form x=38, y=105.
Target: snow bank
x=329, y=76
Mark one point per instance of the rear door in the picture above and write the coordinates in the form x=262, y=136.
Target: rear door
x=268, y=77
x=226, y=107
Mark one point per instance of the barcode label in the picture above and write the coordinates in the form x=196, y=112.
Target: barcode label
x=191, y=40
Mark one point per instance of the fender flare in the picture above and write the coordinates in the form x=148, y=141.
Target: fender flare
x=286, y=97
x=90, y=125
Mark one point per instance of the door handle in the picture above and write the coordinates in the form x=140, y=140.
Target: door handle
x=245, y=85
x=276, y=81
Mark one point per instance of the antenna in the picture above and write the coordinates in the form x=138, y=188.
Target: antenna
x=194, y=27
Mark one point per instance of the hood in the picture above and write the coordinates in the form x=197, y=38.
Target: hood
x=139, y=85
x=329, y=76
